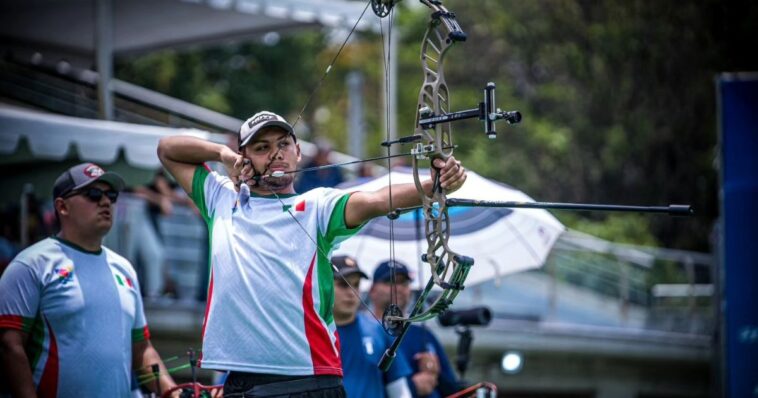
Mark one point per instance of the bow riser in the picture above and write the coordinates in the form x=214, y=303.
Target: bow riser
x=448, y=269
x=441, y=33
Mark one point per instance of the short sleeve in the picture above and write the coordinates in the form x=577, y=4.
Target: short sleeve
x=20, y=289
x=208, y=187
x=337, y=230
x=140, y=331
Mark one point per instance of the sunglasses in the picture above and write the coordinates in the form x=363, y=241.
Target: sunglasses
x=344, y=284
x=95, y=194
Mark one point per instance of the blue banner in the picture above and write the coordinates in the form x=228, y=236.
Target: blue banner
x=738, y=96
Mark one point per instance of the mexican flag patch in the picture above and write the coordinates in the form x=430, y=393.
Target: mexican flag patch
x=121, y=280
x=300, y=206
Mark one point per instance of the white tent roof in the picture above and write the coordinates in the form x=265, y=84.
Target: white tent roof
x=51, y=137
x=67, y=28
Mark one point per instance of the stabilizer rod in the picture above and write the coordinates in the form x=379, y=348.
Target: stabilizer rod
x=674, y=210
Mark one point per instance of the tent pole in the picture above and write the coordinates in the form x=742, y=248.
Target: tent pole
x=104, y=56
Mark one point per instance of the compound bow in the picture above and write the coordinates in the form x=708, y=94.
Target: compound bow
x=433, y=140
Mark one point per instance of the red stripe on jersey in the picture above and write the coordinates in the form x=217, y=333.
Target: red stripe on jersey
x=48, y=384
x=300, y=206
x=12, y=322
x=323, y=354
x=205, y=317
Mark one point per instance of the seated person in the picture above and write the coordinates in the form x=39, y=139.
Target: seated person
x=363, y=341
x=432, y=374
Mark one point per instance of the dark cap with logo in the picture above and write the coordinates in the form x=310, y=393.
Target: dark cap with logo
x=258, y=122
x=383, y=272
x=83, y=175
x=346, y=266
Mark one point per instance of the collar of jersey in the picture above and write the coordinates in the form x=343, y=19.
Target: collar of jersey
x=272, y=196
x=77, y=247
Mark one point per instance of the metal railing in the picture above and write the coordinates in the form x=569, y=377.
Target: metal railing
x=589, y=281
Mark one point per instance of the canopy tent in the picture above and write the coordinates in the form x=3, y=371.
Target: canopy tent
x=36, y=147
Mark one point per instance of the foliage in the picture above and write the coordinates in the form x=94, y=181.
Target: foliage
x=237, y=79
x=617, y=97
x=619, y=227
x=618, y=102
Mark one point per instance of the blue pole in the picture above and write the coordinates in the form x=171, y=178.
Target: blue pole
x=738, y=113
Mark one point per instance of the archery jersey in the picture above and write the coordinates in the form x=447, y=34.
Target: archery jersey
x=362, y=344
x=271, y=286
x=82, y=311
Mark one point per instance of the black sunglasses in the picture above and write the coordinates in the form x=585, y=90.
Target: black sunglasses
x=344, y=284
x=95, y=194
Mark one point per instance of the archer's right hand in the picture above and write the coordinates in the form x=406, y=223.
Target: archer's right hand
x=239, y=168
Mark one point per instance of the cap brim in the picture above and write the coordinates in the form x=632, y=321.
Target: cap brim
x=388, y=278
x=110, y=178
x=352, y=272
x=271, y=123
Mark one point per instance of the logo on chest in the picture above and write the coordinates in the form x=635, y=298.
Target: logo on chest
x=299, y=207
x=368, y=345
x=123, y=281
x=64, y=273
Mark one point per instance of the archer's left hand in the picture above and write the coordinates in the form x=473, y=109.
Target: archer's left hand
x=452, y=173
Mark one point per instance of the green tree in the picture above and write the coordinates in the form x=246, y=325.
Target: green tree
x=618, y=97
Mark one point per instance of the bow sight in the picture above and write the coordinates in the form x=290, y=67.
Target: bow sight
x=486, y=112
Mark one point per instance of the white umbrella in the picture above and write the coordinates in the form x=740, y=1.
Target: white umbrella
x=501, y=241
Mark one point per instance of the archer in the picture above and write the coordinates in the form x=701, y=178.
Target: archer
x=269, y=316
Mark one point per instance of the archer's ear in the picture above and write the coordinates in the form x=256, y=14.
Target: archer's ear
x=299, y=154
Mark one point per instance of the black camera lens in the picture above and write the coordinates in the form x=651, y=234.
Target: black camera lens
x=476, y=316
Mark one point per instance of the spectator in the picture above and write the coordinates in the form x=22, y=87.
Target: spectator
x=75, y=304
x=328, y=177
x=432, y=374
x=363, y=341
x=365, y=173
x=8, y=238
x=146, y=243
